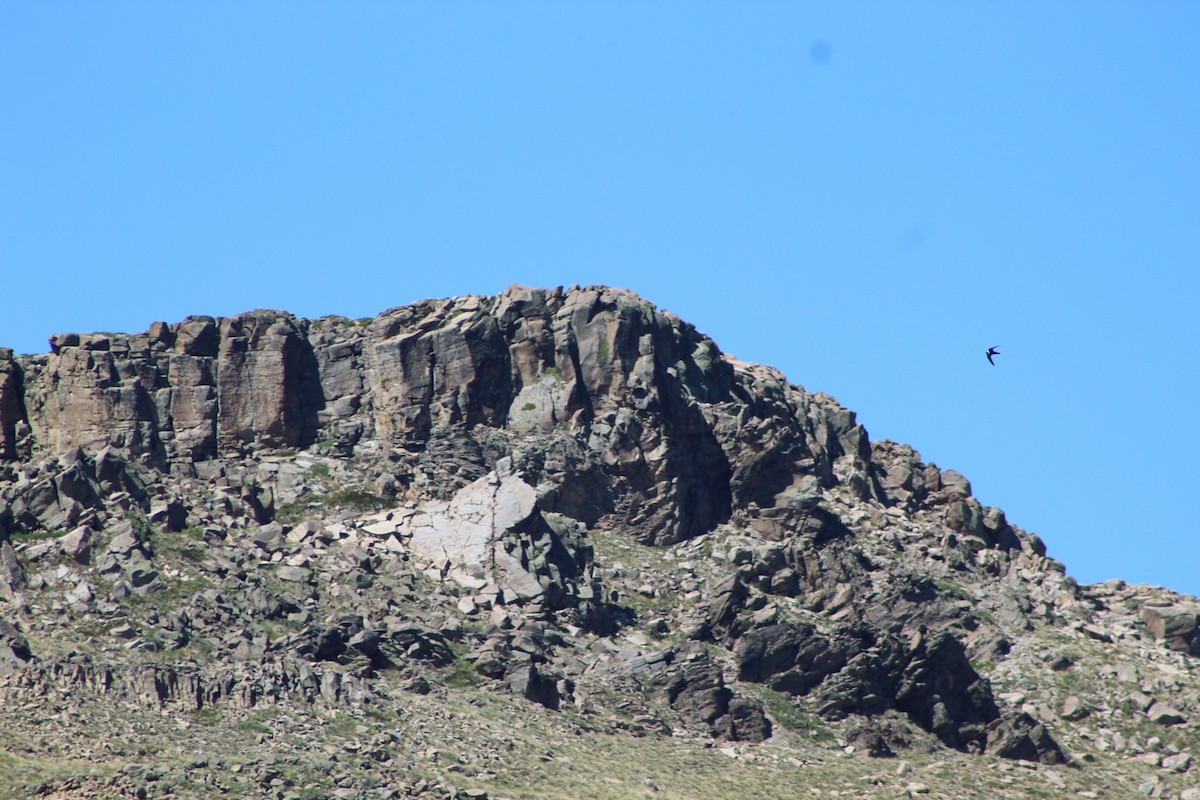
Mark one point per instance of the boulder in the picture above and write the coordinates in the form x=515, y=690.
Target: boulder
x=943, y=693
x=1021, y=737
x=1177, y=626
x=1178, y=762
x=77, y=544
x=696, y=689
x=534, y=683
x=866, y=736
x=744, y=721
x=723, y=621
x=14, y=649
x=1163, y=714
x=12, y=573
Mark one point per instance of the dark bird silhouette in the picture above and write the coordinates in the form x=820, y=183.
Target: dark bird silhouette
x=992, y=352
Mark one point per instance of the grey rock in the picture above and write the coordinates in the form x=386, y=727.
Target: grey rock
x=78, y=543
x=269, y=537
x=862, y=670
x=292, y=574
x=81, y=593
x=867, y=738
x=11, y=396
x=12, y=572
x=124, y=631
x=14, y=649
x=170, y=514
x=140, y=577
x=1163, y=714
x=309, y=530
x=124, y=541
x=532, y=683
x=1074, y=709
x=1019, y=736
x=695, y=687
x=1179, y=762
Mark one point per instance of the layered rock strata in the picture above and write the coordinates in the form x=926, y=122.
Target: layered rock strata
x=477, y=444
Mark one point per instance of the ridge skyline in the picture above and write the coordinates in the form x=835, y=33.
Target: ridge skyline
x=1050, y=539
x=866, y=203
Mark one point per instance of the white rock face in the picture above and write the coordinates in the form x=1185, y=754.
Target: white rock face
x=464, y=538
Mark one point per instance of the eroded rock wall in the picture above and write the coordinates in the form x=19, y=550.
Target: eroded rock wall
x=675, y=438
x=492, y=435
x=597, y=362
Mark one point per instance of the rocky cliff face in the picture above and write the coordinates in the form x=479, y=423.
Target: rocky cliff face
x=596, y=363
x=575, y=497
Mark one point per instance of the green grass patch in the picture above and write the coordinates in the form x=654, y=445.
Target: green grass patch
x=461, y=673
x=36, y=776
x=787, y=714
x=295, y=511
x=342, y=724
x=35, y=536
x=354, y=498
x=255, y=723
x=602, y=356
x=952, y=589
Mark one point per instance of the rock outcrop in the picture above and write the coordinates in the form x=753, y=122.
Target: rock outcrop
x=426, y=493
x=600, y=362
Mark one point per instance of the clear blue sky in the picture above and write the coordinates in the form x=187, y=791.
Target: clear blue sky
x=865, y=195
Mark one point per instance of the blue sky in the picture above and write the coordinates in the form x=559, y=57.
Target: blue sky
x=865, y=195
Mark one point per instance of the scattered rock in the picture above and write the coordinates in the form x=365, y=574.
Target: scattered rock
x=1162, y=714
x=1179, y=762
x=304, y=517
x=1074, y=709
x=1019, y=736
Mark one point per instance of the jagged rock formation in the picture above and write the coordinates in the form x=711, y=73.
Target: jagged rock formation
x=598, y=362
x=327, y=501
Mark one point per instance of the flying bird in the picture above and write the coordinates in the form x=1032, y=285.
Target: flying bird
x=992, y=351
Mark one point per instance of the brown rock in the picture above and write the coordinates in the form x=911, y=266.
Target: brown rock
x=268, y=388
x=1176, y=626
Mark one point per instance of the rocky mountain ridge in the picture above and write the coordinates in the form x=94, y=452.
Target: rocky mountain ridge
x=565, y=499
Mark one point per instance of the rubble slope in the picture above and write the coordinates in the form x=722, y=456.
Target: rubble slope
x=433, y=552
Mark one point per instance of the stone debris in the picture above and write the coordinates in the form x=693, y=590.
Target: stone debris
x=568, y=500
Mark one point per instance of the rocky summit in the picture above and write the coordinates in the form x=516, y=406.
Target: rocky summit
x=547, y=544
